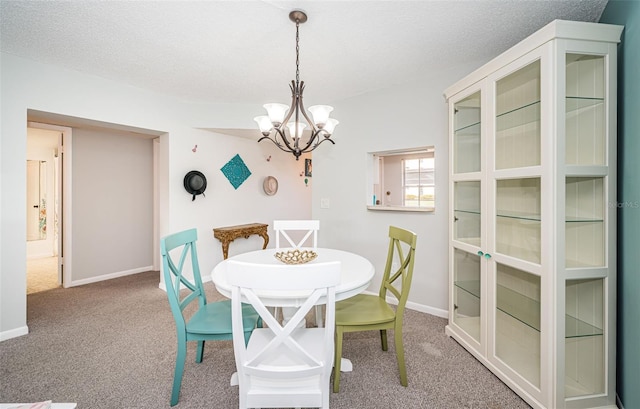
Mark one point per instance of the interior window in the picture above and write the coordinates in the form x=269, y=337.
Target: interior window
x=403, y=180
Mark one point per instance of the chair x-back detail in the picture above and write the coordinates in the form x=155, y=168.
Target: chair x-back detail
x=284, y=229
x=284, y=366
x=288, y=228
x=210, y=321
x=372, y=312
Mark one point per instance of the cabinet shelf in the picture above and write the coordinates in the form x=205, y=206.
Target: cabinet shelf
x=471, y=129
x=577, y=103
x=470, y=286
x=476, y=212
x=584, y=220
x=520, y=116
x=575, y=328
x=520, y=216
x=522, y=308
x=527, y=311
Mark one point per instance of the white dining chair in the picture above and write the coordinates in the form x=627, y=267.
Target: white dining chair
x=296, y=234
x=283, y=365
x=286, y=229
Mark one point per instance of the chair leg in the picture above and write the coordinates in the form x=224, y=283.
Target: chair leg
x=400, y=356
x=337, y=359
x=177, y=376
x=325, y=396
x=200, y=352
x=242, y=398
x=383, y=339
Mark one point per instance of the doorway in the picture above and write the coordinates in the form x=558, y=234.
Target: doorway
x=96, y=217
x=43, y=208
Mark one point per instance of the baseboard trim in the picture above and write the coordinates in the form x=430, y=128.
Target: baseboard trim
x=14, y=333
x=428, y=310
x=104, y=277
x=417, y=307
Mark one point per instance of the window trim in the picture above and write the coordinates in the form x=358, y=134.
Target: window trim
x=419, y=186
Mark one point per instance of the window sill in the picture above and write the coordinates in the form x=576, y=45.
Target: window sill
x=402, y=209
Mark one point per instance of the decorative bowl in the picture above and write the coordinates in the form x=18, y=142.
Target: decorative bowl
x=296, y=256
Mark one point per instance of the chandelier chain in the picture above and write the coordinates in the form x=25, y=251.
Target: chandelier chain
x=297, y=52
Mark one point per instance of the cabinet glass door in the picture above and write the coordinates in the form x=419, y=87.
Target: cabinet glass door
x=518, y=119
x=584, y=344
x=466, y=134
x=466, y=212
x=584, y=227
x=517, y=337
x=466, y=292
x=518, y=218
x=585, y=110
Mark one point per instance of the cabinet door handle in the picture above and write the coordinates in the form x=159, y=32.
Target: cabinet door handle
x=487, y=256
x=480, y=253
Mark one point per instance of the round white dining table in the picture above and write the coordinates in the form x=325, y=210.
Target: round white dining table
x=356, y=274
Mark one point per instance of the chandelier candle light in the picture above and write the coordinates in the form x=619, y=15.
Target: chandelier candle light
x=287, y=131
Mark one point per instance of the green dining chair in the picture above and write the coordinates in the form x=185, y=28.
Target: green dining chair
x=365, y=312
x=210, y=321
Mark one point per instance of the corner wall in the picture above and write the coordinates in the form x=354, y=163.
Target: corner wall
x=28, y=85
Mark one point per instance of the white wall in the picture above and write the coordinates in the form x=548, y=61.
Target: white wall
x=112, y=221
x=405, y=116
x=400, y=117
x=30, y=85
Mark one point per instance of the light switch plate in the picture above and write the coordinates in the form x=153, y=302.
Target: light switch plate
x=324, y=203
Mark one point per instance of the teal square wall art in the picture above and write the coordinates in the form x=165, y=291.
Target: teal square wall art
x=236, y=171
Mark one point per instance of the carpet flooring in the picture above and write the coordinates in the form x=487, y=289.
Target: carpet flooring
x=112, y=344
x=42, y=274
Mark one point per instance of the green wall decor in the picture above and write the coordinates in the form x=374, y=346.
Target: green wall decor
x=236, y=171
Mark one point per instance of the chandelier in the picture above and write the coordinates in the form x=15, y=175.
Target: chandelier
x=283, y=125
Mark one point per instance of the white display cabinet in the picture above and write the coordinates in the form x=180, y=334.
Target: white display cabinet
x=532, y=219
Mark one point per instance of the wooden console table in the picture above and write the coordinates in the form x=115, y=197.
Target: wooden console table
x=228, y=234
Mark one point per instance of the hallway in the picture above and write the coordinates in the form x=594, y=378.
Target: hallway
x=42, y=274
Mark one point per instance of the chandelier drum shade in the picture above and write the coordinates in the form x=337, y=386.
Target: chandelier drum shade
x=284, y=125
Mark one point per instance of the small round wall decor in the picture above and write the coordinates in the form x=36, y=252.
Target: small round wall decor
x=270, y=185
x=195, y=183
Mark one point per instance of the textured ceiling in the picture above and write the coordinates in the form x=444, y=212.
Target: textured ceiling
x=244, y=51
